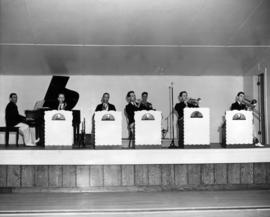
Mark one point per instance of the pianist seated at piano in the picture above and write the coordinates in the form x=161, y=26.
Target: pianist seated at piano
x=105, y=105
x=14, y=119
x=57, y=97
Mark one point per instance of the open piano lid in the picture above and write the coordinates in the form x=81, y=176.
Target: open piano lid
x=58, y=85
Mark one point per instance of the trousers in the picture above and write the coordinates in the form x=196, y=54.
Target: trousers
x=25, y=131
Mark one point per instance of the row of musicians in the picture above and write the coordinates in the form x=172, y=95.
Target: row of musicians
x=13, y=118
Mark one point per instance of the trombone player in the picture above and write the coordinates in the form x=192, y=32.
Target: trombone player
x=242, y=103
x=239, y=102
x=184, y=102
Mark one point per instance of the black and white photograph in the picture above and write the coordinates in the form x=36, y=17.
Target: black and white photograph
x=141, y=108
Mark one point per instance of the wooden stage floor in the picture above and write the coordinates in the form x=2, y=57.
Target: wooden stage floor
x=188, y=203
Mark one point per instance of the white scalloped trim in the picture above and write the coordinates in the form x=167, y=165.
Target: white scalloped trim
x=239, y=131
x=197, y=130
x=147, y=132
x=108, y=132
x=58, y=132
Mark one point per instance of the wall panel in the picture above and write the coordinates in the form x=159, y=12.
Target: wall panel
x=260, y=173
x=246, y=175
x=167, y=176
x=41, y=176
x=180, y=174
x=141, y=175
x=112, y=175
x=194, y=176
x=207, y=174
x=3, y=176
x=221, y=174
x=96, y=175
x=128, y=175
x=69, y=176
x=27, y=176
x=233, y=173
x=55, y=176
x=154, y=172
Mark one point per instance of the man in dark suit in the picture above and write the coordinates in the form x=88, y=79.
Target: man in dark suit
x=130, y=109
x=62, y=105
x=105, y=105
x=144, y=104
x=179, y=108
x=14, y=119
x=239, y=104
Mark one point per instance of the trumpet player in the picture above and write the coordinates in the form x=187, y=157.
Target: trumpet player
x=242, y=103
x=130, y=109
x=184, y=102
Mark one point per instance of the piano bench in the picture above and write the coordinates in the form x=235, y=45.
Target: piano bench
x=7, y=130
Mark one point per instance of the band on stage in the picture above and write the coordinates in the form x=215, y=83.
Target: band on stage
x=13, y=118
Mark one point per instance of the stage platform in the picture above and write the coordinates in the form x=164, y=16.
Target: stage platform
x=66, y=169
x=115, y=155
x=158, y=204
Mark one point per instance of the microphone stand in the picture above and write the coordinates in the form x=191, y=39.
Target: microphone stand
x=172, y=144
x=82, y=137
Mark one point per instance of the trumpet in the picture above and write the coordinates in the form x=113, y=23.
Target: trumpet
x=138, y=102
x=194, y=102
x=250, y=103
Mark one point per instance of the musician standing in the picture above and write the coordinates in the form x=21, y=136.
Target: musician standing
x=14, y=119
x=184, y=102
x=144, y=104
x=239, y=103
x=130, y=109
x=105, y=105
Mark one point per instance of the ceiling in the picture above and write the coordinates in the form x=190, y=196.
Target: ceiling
x=133, y=37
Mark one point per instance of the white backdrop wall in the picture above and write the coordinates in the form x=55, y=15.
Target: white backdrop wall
x=217, y=93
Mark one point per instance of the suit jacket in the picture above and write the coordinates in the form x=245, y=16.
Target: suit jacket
x=130, y=112
x=179, y=108
x=100, y=107
x=238, y=106
x=148, y=106
x=12, y=115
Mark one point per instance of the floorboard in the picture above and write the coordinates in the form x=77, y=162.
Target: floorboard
x=189, y=203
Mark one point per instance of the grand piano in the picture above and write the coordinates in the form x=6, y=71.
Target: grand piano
x=35, y=118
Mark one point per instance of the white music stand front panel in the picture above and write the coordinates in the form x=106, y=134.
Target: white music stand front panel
x=196, y=126
x=108, y=128
x=239, y=127
x=58, y=128
x=148, y=127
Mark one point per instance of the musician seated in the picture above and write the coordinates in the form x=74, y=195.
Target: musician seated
x=105, y=105
x=130, y=109
x=240, y=104
x=62, y=105
x=14, y=119
x=144, y=104
x=184, y=102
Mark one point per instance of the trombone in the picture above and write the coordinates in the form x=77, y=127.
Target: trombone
x=251, y=106
x=250, y=103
